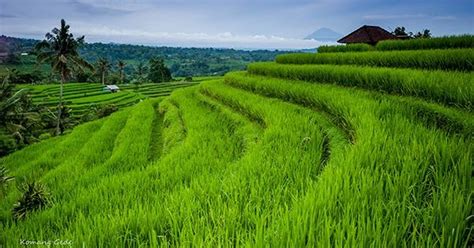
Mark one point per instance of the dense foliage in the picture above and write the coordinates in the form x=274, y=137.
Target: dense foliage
x=19, y=119
x=181, y=61
x=157, y=71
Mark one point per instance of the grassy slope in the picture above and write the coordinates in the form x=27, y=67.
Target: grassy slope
x=255, y=160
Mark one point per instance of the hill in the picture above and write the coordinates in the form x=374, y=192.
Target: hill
x=181, y=61
x=371, y=150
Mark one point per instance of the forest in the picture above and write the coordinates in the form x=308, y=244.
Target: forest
x=182, y=62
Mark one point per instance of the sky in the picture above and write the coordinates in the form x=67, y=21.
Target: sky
x=271, y=24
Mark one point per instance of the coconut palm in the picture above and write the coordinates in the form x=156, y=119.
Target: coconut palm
x=121, y=65
x=103, y=67
x=60, y=50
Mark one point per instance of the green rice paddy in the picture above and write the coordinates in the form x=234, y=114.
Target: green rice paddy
x=295, y=154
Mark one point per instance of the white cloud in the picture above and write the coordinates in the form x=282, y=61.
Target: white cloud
x=225, y=39
x=444, y=18
x=392, y=17
x=408, y=16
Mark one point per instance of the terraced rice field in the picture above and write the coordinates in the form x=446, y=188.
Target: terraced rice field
x=81, y=97
x=283, y=155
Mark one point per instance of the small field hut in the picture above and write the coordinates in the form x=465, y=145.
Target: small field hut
x=111, y=88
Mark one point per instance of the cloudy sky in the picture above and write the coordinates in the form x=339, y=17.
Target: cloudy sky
x=228, y=23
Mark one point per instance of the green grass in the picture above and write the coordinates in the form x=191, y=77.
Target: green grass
x=345, y=48
x=82, y=96
x=447, y=59
x=449, y=88
x=425, y=186
x=279, y=156
x=447, y=42
x=461, y=41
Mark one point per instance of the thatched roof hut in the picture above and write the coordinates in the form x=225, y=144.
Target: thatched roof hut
x=368, y=34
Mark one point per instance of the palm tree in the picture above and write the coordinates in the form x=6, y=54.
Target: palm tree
x=103, y=67
x=121, y=65
x=59, y=49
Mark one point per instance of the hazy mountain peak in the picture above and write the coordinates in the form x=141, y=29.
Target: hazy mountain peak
x=324, y=34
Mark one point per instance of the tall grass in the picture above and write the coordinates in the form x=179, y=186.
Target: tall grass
x=257, y=161
x=462, y=41
x=449, y=88
x=447, y=42
x=345, y=48
x=448, y=59
x=392, y=188
x=83, y=96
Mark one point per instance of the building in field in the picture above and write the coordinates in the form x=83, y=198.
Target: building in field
x=111, y=88
x=368, y=34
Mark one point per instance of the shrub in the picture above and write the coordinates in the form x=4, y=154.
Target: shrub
x=45, y=136
x=106, y=110
x=35, y=196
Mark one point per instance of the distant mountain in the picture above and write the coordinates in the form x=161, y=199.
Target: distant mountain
x=324, y=34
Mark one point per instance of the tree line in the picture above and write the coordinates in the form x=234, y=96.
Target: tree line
x=402, y=32
x=182, y=62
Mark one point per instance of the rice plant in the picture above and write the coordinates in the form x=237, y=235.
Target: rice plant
x=345, y=48
x=283, y=155
x=448, y=59
x=447, y=42
x=449, y=88
x=461, y=41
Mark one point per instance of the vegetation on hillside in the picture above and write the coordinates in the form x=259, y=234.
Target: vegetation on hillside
x=460, y=41
x=281, y=155
x=182, y=62
x=439, y=59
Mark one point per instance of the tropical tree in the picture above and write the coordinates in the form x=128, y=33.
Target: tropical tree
x=401, y=31
x=121, y=65
x=17, y=115
x=60, y=50
x=140, y=70
x=158, y=71
x=426, y=33
x=103, y=67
